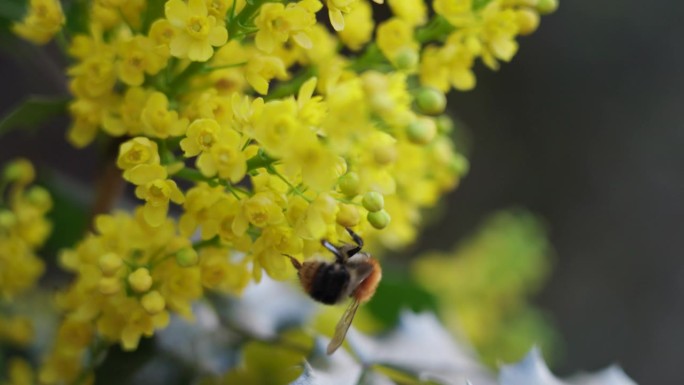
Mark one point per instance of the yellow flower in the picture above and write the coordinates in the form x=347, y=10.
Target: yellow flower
x=197, y=32
x=245, y=111
x=457, y=12
x=137, y=154
x=277, y=23
x=220, y=272
x=126, y=117
x=261, y=69
x=201, y=136
x=499, y=28
x=395, y=38
x=157, y=193
x=159, y=121
x=315, y=162
x=219, y=8
x=138, y=56
x=277, y=126
x=95, y=76
x=225, y=157
x=44, y=19
x=317, y=220
x=19, y=372
x=359, y=26
x=269, y=248
x=413, y=12
x=198, y=210
x=312, y=109
x=178, y=286
x=162, y=32
x=260, y=210
x=16, y=330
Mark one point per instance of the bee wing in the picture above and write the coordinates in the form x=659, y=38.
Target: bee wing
x=343, y=326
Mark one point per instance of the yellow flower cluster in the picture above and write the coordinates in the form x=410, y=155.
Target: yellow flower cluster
x=482, y=286
x=253, y=122
x=478, y=29
x=23, y=228
x=128, y=278
x=43, y=20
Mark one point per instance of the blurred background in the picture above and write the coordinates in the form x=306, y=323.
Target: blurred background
x=585, y=129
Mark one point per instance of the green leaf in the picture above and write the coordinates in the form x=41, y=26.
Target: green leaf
x=77, y=16
x=398, y=291
x=32, y=112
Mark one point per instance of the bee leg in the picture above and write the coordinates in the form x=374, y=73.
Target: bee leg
x=333, y=249
x=297, y=265
x=355, y=237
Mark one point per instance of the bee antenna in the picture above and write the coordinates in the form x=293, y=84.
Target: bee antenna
x=297, y=265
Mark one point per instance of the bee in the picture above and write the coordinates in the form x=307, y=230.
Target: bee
x=354, y=274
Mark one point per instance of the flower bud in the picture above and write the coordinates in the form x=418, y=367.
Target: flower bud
x=348, y=215
x=20, y=170
x=547, y=6
x=140, y=280
x=430, y=101
x=110, y=263
x=153, y=302
x=109, y=285
x=373, y=201
x=7, y=219
x=459, y=164
x=385, y=154
x=349, y=184
x=379, y=219
x=528, y=21
x=421, y=131
x=445, y=125
x=406, y=59
x=187, y=257
x=39, y=197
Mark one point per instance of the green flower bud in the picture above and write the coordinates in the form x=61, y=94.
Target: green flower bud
x=7, y=219
x=406, y=59
x=430, y=101
x=445, y=125
x=187, y=257
x=349, y=184
x=459, y=164
x=547, y=6
x=421, y=131
x=373, y=201
x=20, y=170
x=39, y=197
x=379, y=219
